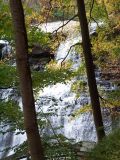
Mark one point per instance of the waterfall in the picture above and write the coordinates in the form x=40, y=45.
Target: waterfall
x=9, y=139
x=5, y=49
x=59, y=99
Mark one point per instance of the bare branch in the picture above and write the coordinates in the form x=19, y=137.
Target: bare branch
x=65, y=23
x=9, y=87
x=92, y=5
x=108, y=102
x=63, y=59
x=91, y=9
x=13, y=156
x=59, y=142
x=95, y=22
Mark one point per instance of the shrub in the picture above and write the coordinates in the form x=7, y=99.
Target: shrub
x=108, y=148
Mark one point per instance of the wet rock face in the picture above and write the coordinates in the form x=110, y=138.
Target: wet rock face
x=5, y=49
x=39, y=57
x=111, y=72
x=1, y=47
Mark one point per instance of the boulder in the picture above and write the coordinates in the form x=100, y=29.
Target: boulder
x=39, y=52
x=39, y=57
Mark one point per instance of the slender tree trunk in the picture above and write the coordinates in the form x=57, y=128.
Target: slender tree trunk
x=30, y=121
x=90, y=70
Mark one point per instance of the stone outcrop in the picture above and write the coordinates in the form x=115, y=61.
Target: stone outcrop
x=111, y=72
x=39, y=57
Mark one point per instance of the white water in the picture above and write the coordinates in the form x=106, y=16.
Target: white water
x=10, y=139
x=64, y=102
x=6, y=50
x=60, y=100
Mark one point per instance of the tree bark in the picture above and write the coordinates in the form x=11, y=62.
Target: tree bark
x=21, y=42
x=90, y=70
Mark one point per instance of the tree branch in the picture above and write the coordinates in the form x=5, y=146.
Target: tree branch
x=92, y=5
x=63, y=59
x=108, y=102
x=91, y=9
x=9, y=87
x=59, y=142
x=64, y=24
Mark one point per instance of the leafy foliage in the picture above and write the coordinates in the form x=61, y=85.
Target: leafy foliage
x=52, y=149
x=107, y=149
x=98, y=12
x=36, y=36
x=106, y=44
x=51, y=76
x=8, y=76
x=6, y=31
x=10, y=114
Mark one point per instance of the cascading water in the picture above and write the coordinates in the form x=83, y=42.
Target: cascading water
x=9, y=139
x=5, y=49
x=59, y=99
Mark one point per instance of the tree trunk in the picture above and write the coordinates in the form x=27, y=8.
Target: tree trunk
x=90, y=70
x=30, y=121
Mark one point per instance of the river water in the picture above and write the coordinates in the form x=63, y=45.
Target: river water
x=59, y=100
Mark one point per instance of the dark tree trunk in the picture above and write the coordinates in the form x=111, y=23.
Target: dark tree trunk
x=90, y=70
x=30, y=121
